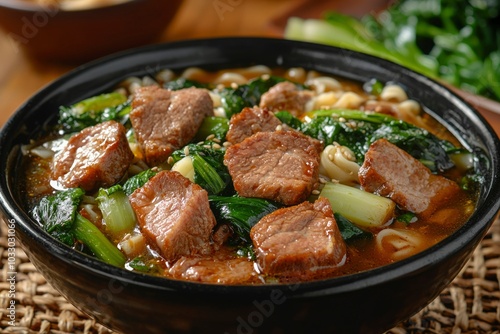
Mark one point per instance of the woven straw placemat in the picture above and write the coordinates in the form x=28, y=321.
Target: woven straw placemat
x=470, y=304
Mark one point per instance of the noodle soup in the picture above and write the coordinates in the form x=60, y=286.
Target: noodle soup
x=250, y=176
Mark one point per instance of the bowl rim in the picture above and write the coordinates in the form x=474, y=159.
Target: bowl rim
x=474, y=229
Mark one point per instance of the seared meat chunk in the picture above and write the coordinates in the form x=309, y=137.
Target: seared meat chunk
x=250, y=121
x=282, y=166
x=97, y=156
x=175, y=215
x=390, y=171
x=286, y=96
x=300, y=241
x=223, y=267
x=165, y=120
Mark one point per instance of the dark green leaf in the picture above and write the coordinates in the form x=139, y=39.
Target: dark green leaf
x=182, y=83
x=241, y=212
x=206, y=176
x=348, y=230
x=209, y=169
x=407, y=218
x=235, y=99
x=56, y=213
x=144, y=265
x=217, y=126
x=137, y=181
x=94, y=110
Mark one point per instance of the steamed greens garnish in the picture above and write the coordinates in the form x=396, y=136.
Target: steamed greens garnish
x=455, y=41
x=144, y=265
x=182, y=83
x=241, y=212
x=248, y=95
x=358, y=130
x=360, y=207
x=138, y=181
x=59, y=217
x=213, y=125
x=207, y=164
x=94, y=110
x=117, y=212
x=348, y=230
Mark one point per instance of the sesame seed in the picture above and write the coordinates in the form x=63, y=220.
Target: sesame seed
x=210, y=137
x=316, y=192
x=186, y=150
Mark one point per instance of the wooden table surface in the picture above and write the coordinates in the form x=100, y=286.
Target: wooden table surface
x=21, y=77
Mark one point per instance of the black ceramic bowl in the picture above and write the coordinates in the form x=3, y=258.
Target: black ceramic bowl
x=368, y=302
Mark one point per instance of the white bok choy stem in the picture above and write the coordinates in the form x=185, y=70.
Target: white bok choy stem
x=360, y=207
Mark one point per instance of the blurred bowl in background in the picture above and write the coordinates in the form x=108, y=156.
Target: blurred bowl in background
x=53, y=32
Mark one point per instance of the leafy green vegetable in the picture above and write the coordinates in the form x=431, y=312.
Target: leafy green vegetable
x=347, y=32
x=209, y=169
x=57, y=213
x=206, y=176
x=374, y=87
x=358, y=130
x=348, y=230
x=360, y=207
x=455, y=41
x=92, y=237
x=94, y=110
x=407, y=218
x=218, y=126
x=138, y=181
x=182, y=83
x=59, y=217
x=241, y=212
x=144, y=265
x=248, y=95
x=116, y=211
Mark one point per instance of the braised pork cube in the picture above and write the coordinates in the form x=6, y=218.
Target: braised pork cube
x=174, y=214
x=286, y=96
x=282, y=166
x=165, y=120
x=97, y=156
x=390, y=171
x=221, y=267
x=301, y=241
x=250, y=121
